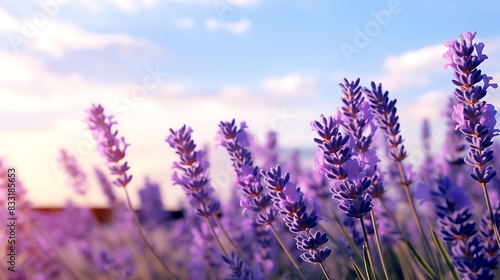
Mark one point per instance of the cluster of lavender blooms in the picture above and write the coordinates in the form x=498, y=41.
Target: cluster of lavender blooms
x=110, y=146
x=193, y=167
x=340, y=217
x=475, y=118
x=289, y=200
x=474, y=254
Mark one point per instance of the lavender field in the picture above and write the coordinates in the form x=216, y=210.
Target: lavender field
x=360, y=211
x=249, y=139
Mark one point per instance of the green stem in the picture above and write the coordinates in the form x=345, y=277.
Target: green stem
x=406, y=187
x=490, y=211
x=393, y=219
x=143, y=237
x=365, y=234
x=370, y=263
x=347, y=235
x=287, y=252
x=240, y=254
x=217, y=238
x=324, y=271
x=379, y=246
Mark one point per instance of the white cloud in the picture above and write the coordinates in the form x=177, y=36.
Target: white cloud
x=126, y=6
x=429, y=105
x=231, y=91
x=173, y=90
x=93, y=6
x=7, y=21
x=241, y=3
x=413, y=68
x=417, y=67
x=185, y=23
x=237, y=27
x=58, y=38
x=149, y=3
x=219, y=3
x=291, y=85
x=18, y=68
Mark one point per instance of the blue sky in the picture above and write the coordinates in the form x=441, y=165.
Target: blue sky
x=274, y=64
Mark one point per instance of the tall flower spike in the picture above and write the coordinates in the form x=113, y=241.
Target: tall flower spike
x=289, y=201
x=70, y=165
x=387, y=119
x=455, y=218
x=192, y=176
x=111, y=147
x=475, y=118
x=385, y=113
x=339, y=165
x=358, y=121
x=255, y=197
x=106, y=187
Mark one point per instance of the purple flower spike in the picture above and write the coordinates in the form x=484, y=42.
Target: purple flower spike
x=475, y=118
x=348, y=160
x=238, y=271
x=336, y=148
x=289, y=201
x=72, y=168
x=110, y=146
x=255, y=197
x=193, y=169
x=470, y=256
x=387, y=119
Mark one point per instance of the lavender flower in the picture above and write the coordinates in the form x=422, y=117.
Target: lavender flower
x=471, y=262
x=70, y=165
x=239, y=272
x=387, y=120
x=336, y=148
x=152, y=213
x=486, y=236
x=337, y=151
x=458, y=228
x=475, y=118
x=255, y=198
x=289, y=201
x=192, y=177
x=204, y=251
x=105, y=186
x=109, y=144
